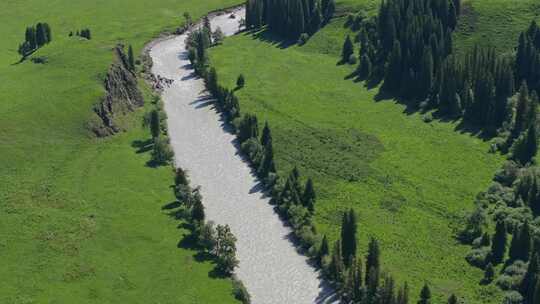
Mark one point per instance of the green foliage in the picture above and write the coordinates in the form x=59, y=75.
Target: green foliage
x=161, y=151
x=225, y=250
x=240, y=292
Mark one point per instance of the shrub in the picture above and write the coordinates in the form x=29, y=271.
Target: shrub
x=352, y=59
x=240, y=292
x=478, y=257
x=303, y=39
x=162, y=152
x=513, y=297
x=427, y=118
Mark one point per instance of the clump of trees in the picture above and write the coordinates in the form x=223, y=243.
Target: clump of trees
x=289, y=18
x=197, y=43
x=84, y=33
x=35, y=37
x=156, y=120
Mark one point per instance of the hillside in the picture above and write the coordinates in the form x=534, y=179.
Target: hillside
x=82, y=217
x=410, y=182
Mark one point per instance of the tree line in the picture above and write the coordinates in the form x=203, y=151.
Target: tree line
x=289, y=18
x=35, y=37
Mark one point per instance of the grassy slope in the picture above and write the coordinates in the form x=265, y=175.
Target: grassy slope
x=410, y=181
x=495, y=23
x=81, y=217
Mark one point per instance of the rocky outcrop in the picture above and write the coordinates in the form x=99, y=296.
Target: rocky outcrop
x=122, y=95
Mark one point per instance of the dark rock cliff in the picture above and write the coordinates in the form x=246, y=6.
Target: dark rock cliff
x=122, y=95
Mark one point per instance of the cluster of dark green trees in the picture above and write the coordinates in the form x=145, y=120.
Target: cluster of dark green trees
x=528, y=57
x=85, y=33
x=513, y=201
x=289, y=18
x=219, y=241
x=34, y=38
x=407, y=43
x=359, y=282
x=156, y=119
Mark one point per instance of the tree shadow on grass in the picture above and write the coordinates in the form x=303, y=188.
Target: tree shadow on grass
x=267, y=36
x=142, y=146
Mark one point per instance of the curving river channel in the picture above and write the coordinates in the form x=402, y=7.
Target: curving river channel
x=270, y=267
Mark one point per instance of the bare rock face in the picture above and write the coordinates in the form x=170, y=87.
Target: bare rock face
x=123, y=95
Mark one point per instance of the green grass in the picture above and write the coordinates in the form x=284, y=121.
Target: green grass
x=495, y=23
x=81, y=217
x=410, y=182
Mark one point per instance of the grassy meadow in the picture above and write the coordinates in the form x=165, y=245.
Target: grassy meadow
x=82, y=218
x=411, y=182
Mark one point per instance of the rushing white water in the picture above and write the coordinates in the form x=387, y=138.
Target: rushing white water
x=270, y=267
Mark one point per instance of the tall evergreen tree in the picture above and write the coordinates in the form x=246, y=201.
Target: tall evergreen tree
x=131, y=58
x=373, y=258
x=348, y=236
x=498, y=244
x=452, y=299
x=425, y=295
x=527, y=286
x=308, y=197
x=348, y=49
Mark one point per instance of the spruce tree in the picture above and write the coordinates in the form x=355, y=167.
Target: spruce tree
x=241, y=81
x=498, y=244
x=373, y=257
x=452, y=299
x=308, y=197
x=403, y=295
x=266, y=134
x=425, y=295
x=348, y=49
x=489, y=273
x=324, y=249
x=348, y=236
x=155, y=124
x=197, y=211
x=527, y=285
x=131, y=58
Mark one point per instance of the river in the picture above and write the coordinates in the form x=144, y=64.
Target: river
x=270, y=267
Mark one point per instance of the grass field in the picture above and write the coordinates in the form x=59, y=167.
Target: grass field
x=81, y=217
x=411, y=182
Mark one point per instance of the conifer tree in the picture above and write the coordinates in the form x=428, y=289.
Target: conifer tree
x=197, y=211
x=498, y=244
x=348, y=236
x=308, y=197
x=324, y=249
x=373, y=258
x=348, y=49
x=337, y=267
x=527, y=285
x=452, y=299
x=155, y=124
x=266, y=134
x=241, y=81
x=131, y=58
x=489, y=273
x=425, y=295
x=403, y=294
